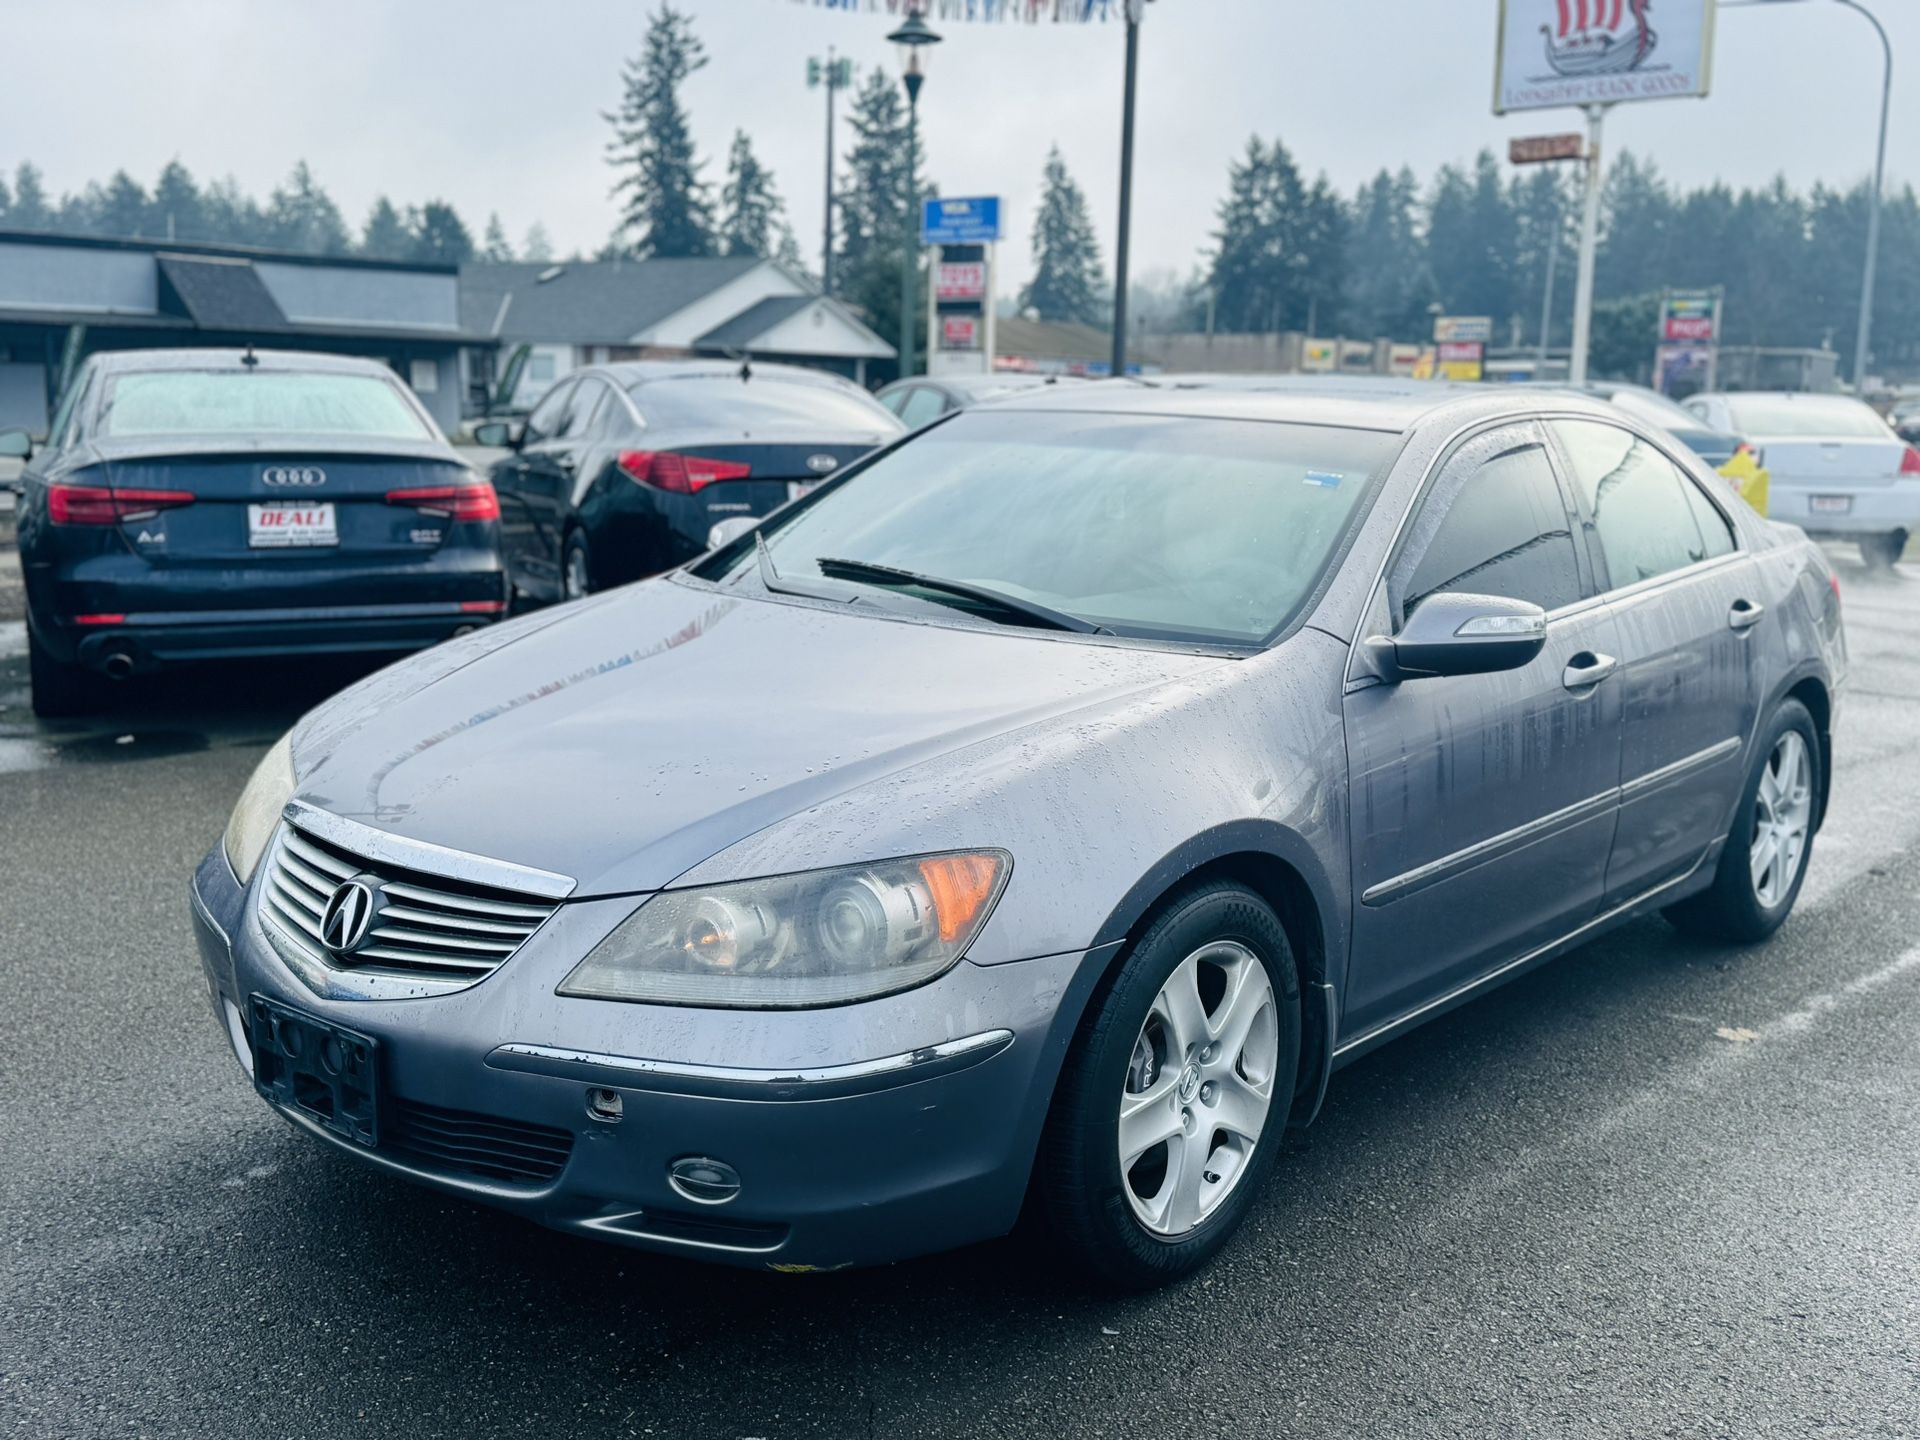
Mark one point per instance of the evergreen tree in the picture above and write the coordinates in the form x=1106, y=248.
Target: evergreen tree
x=6, y=201
x=175, y=213
x=441, y=236
x=1266, y=244
x=1545, y=208
x=1067, y=283
x=878, y=219
x=537, y=245
x=385, y=235
x=302, y=216
x=122, y=209
x=30, y=210
x=753, y=218
x=496, y=249
x=1470, y=241
x=1388, y=286
x=664, y=207
x=232, y=216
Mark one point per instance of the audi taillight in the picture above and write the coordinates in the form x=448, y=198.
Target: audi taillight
x=1910, y=462
x=681, y=474
x=475, y=501
x=97, y=505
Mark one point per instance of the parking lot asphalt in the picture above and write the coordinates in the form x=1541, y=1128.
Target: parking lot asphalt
x=1656, y=1188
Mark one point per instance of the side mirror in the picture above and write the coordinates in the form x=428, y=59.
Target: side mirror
x=15, y=445
x=497, y=434
x=726, y=531
x=1453, y=634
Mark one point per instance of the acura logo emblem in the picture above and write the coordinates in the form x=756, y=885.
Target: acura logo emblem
x=348, y=917
x=293, y=477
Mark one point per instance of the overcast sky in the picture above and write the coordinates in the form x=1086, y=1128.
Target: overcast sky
x=497, y=106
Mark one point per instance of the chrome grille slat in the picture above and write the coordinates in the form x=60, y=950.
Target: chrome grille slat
x=456, y=934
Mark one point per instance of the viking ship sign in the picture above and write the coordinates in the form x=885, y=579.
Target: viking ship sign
x=1585, y=52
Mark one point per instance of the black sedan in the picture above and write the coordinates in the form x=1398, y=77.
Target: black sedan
x=199, y=504
x=622, y=470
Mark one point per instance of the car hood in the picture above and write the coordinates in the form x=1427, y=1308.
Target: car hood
x=624, y=739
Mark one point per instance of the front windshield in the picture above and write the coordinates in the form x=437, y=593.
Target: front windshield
x=1145, y=525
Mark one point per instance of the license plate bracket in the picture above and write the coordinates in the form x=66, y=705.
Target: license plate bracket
x=1830, y=504
x=290, y=526
x=325, y=1072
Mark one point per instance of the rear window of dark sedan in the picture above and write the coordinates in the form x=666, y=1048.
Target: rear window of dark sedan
x=257, y=402
x=728, y=403
x=1153, y=526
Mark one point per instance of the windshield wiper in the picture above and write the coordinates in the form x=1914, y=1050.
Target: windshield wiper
x=893, y=577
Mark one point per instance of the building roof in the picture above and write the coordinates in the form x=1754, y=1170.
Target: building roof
x=219, y=292
x=586, y=302
x=756, y=320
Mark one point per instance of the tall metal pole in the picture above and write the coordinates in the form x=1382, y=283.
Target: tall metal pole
x=1121, y=245
x=1553, y=262
x=826, y=244
x=1589, y=250
x=909, y=247
x=1864, y=334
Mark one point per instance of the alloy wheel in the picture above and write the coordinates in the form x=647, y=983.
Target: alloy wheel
x=1782, y=818
x=1198, y=1089
x=575, y=577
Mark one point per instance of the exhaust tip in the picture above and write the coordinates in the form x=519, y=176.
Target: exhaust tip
x=118, y=665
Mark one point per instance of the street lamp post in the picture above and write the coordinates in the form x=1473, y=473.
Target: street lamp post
x=835, y=74
x=1135, y=8
x=1863, y=333
x=912, y=37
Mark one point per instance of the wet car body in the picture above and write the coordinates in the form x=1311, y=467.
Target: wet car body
x=1419, y=844
x=622, y=470
x=143, y=549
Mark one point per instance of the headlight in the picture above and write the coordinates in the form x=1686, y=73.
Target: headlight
x=259, y=809
x=825, y=937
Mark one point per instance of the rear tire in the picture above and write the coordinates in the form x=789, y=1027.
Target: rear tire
x=1150, y=1069
x=1768, y=849
x=576, y=568
x=60, y=691
x=1883, y=552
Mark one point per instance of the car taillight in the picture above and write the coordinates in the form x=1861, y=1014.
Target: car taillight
x=682, y=474
x=460, y=502
x=1910, y=462
x=97, y=505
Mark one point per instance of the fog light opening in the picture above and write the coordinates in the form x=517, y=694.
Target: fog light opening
x=703, y=1180
x=604, y=1105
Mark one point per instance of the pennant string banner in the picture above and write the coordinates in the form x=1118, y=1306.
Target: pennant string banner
x=1027, y=12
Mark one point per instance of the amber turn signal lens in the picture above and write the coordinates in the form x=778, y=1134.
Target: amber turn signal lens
x=960, y=885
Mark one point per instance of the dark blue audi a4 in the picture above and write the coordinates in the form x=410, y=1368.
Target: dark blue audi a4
x=204, y=504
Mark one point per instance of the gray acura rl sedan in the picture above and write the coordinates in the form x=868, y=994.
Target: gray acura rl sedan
x=1043, y=809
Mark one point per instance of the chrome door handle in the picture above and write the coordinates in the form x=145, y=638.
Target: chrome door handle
x=1745, y=614
x=1587, y=670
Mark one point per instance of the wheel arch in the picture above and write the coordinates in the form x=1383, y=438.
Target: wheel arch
x=1282, y=868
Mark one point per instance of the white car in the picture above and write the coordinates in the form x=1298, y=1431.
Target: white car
x=1838, y=469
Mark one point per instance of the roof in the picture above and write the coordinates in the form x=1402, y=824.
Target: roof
x=586, y=302
x=193, y=247
x=208, y=357
x=220, y=292
x=754, y=321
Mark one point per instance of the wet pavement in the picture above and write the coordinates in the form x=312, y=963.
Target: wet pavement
x=1656, y=1188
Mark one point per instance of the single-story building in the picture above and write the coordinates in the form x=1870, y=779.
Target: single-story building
x=1058, y=347
x=63, y=297
x=542, y=320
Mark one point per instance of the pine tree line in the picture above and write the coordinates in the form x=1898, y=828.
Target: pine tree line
x=298, y=215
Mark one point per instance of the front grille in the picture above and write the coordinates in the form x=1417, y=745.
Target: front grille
x=427, y=925
x=482, y=1146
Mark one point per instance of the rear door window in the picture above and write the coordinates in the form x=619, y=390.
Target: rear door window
x=551, y=410
x=1494, y=523
x=1642, y=515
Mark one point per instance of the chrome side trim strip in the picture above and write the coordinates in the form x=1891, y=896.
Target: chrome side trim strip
x=431, y=859
x=1370, y=1038
x=728, y=1082
x=1481, y=851
x=632, y=1225
x=1699, y=760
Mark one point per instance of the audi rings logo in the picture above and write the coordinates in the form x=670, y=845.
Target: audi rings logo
x=348, y=916
x=293, y=477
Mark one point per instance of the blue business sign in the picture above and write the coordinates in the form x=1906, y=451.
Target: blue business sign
x=960, y=222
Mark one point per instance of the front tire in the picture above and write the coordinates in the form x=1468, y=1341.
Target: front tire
x=60, y=691
x=1173, y=1101
x=1768, y=849
x=576, y=568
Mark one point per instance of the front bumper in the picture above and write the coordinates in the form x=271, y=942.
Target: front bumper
x=861, y=1135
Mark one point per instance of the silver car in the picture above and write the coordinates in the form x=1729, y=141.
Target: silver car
x=1837, y=468
x=1044, y=808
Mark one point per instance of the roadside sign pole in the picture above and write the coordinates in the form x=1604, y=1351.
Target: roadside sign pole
x=1864, y=333
x=1589, y=248
x=1120, y=249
